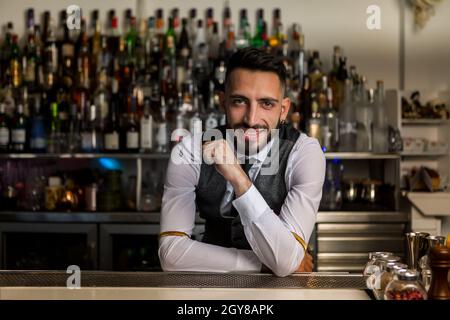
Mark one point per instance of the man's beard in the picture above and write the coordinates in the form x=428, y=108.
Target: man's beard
x=252, y=147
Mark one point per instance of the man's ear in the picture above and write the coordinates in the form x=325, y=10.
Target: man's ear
x=285, y=106
x=222, y=102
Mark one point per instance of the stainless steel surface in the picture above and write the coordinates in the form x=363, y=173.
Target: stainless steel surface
x=335, y=244
x=416, y=244
x=361, y=216
x=360, y=155
x=360, y=228
x=183, y=280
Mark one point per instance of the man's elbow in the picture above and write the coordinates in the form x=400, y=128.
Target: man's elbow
x=168, y=261
x=283, y=270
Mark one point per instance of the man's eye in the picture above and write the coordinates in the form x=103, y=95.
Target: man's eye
x=238, y=101
x=267, y=104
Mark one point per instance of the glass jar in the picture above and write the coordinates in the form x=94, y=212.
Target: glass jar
x=405, y=286
x=381, y=278
x=373, y=256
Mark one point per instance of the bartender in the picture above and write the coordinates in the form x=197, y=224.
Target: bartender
x=258, y=191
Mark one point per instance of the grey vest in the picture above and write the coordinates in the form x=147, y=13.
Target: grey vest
x=229, y=232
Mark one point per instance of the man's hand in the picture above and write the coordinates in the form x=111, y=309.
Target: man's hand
x=306, y=265
x=222, y=155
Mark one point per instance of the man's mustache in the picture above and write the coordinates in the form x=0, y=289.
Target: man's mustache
x=246, y=126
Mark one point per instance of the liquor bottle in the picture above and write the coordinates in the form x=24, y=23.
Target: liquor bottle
x=244, y=37
x=209, y=23
x=146, y=128
x=96, y=42
x=4, y=129
x=91, y=138
x=363, y=117
x=15, y=65
x=297, y=55
x=257, y=40
x=160, y=28
x=50, y=53
x=315, y=120
x=333, y=76
x=195, y=121
x=212, y=119
x=5, y=51
x=162, y=136
x=330, y=125
x=130, y=42
x=176, y=21
x=54, y=143
x=347, y=121
x=132, y=130
x=315, y=70
x=380, y=126
x=68, y=60
x=226, y=19
x=37, y=131
x=31, y=55
x=276, y=38
x=74, y=132
x=305, y=104
x=192, y=26
x=342, y=77
x=230, y=41
x=183, y=46
x=215, y=43
x=102, y=98
x=113, y=36
x=112, y=130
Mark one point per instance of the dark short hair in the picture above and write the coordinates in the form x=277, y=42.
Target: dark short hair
x=256, y=60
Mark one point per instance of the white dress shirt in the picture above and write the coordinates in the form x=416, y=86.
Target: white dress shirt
x=270, y=236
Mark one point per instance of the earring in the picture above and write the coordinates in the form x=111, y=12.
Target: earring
x=282, y=121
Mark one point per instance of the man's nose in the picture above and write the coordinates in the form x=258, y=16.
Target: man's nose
x=251, y=116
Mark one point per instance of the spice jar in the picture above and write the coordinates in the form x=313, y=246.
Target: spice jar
x=383, y=277
x=373, y=256
x=405, y=287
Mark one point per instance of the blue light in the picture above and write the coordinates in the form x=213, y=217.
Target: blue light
x=324, y=149
x=109, y=164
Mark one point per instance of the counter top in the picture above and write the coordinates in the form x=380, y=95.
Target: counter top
x=153, y=217
x=30, y=285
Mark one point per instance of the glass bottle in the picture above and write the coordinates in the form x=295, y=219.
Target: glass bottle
x=4, y=129
x=162, y=134
x=380, y=126
x=330, y=125
x=37, y=131
x=146, y=128
x=132, y=130
x=363, y=117
x=244, y=37
x=54, y=143
x=315, y=120
x=19, y=131
x=347, y=122
x=112, y=130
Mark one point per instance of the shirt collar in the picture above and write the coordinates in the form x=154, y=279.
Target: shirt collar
x=259, y=157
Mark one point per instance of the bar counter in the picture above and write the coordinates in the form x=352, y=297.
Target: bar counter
x=99, y=285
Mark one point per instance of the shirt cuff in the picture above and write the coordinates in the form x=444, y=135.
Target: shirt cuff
x=251, y=205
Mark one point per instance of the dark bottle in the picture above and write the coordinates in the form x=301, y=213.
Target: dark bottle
x=37, y=129
x=112, y=130
x=19, y=131
x=4, y=129
x=132, y=130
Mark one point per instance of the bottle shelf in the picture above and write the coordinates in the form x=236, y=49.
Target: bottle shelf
x=425, y=121
x=424, y=154
x=360, y=155
x=155, y=156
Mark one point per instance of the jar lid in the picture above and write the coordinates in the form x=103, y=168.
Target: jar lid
x=390, y=258
x=395, y=266
x=377, y=254
x=408, y=274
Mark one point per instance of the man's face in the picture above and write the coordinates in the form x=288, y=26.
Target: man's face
x=254, y=102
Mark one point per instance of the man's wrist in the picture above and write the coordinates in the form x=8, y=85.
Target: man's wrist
x=241, y=184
